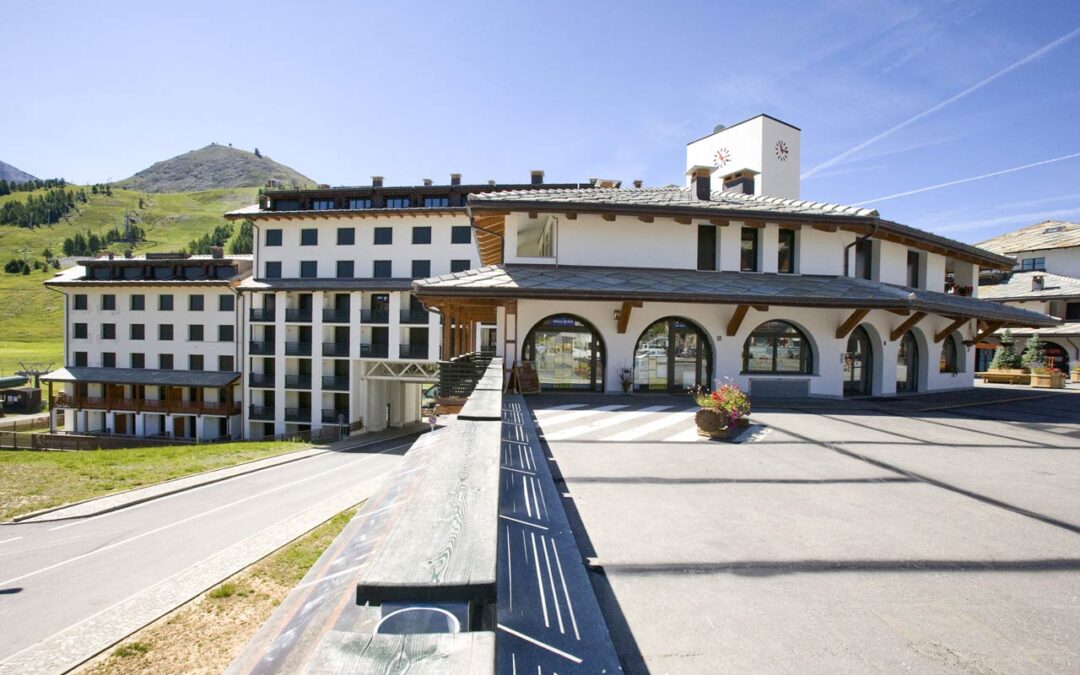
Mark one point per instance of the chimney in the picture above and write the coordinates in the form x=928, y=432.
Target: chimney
x=491, y=181
x=537, y=176
x=638, y=183
x=701, y=182
x=217, y=252
x=1037, y=282
x=455, y=179
x=128, y=254
x=427, y=182
x=376, y=181
x=110, y=255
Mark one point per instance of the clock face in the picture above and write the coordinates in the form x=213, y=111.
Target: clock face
x=721, y=158
x=782, y=151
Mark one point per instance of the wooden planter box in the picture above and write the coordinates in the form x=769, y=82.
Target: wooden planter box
x=1075, y=377
x=1006, y=376
x=1048, y=381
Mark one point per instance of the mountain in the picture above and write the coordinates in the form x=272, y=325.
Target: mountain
x=10, y=173
x=212, y=167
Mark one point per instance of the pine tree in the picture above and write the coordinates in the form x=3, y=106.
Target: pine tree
x=1034, y=355
x=243, y=242
x=1005, y=356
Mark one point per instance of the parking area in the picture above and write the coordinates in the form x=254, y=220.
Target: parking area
x=865, y=537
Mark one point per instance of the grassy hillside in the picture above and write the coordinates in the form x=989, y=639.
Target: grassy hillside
x=31, y=316
x=215, y=166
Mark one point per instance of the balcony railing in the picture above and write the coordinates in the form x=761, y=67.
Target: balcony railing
x=146, y=405
x=261, y=348
x=335, y=316
x=413, y=351
x=374, y=351
x=375, y=316
x=335, y=383
x=263, y=314
x=259, y=412
x=335, y=349
x=458, y=376
x=298, y=381
x=298, y=415
x=302, y=315
x=298, y=349
x=335, y=417
x=415, y=316
x=265, y=380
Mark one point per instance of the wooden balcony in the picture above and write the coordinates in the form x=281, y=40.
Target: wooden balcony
x=146, y=405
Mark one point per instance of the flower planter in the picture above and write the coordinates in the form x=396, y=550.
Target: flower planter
x=1075, y=377
x=1048, y=380
x=722, y=433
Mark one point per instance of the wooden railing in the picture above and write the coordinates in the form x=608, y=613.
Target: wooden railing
x=459, y=375
x=146, y=405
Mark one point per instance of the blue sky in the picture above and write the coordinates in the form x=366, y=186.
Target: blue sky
x=344, y=90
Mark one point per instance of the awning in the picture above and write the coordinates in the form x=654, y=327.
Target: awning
x=171, y=378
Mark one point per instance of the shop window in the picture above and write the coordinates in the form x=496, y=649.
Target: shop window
x=777, y=347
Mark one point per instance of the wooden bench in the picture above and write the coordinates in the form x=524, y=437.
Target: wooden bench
x=1005, y=376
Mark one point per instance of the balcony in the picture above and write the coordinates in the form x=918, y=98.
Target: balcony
x=375, y=315
x=264, y=380
x=263, y=314
x=413, y=351
x=335, y=417
x=257, y=348
x=335, y=383
x=258, y=412
x=302, y=415
x=298, y=349
x=340, y=349
x=374, y=351
x=335, y=316
x=298, y=381
x=415, y=316
x=298, y=315
x=143, y=405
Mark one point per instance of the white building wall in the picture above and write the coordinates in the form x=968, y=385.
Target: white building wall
x=752, y=145
x=1064, y=261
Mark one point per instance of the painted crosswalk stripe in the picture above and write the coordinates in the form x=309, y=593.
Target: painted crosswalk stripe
x=685, y=436
x=604, y=422
x=564, y=417
x=669, y=420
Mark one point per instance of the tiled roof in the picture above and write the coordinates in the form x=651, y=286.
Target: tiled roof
x=621, y=283
x=366, y=284
x=1071, y=330
x=173, y=378
x=1040, y=236
x=1018, y=287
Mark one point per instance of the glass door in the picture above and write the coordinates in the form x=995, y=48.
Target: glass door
x=857, y=364
x=907, y=365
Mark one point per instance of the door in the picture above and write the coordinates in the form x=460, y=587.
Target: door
x=907, y=365
x=858, y=364
x=672, y=355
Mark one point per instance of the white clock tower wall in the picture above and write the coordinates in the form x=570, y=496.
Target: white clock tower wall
x=757, y=145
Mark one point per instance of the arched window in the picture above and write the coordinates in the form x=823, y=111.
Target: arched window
x=777, y=347
x=948, y=356
x=672, y=354
x=567, y=352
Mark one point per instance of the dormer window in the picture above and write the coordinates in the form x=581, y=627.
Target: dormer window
x=322, y=204
x=436, y=202
x=397, y=202
x=1033, y=264
x=359, y=203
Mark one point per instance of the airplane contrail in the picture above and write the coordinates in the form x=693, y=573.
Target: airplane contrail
x=952, y=99
x=968, y=180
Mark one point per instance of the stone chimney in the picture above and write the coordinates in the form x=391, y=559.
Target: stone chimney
x=701, y=182
x=376, y=181
x=427, y=182
x=638, y=183
x=537, y=176
x=455, y=179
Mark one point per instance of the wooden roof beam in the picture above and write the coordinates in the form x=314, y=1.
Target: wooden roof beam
x=624, y=313
x=737, y=319
x=849, y=324
x=948, y=330
x=570, y=216
x=990, y=328
x=825, y=227
x=608, y=216
x=646, y=219
x=907, y=325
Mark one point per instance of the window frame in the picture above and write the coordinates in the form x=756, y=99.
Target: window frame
x=424, y=230
x=382, y=233
x=80, y=302
x=754, y=250
x=226, y=299
x=272, y=269
x=346, y=236
x=196, y=302
x=309, y=236
x=166, y=332
x=309, y=269
x=793, y=250
x=426, y=264
x=456, y=234
x=388, y=265
x=806, y=351
x=137, y=303
x=350, y=267
x=273, y=237
x=460, y=265
x=166, y=302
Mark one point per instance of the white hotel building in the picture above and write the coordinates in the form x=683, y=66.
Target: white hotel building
x=732, y=275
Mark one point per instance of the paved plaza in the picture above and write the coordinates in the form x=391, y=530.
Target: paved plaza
x=869, y=537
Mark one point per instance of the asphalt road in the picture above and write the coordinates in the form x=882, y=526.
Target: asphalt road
x=55, y=575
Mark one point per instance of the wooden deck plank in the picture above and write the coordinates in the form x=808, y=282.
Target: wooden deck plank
x=344, y=652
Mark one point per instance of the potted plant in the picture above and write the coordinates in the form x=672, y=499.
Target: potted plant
x=1047, y=377
x=1076, y=373
x=626, y=378
x=721, y=410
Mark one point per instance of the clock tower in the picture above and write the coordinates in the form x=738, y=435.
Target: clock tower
x=758, y=156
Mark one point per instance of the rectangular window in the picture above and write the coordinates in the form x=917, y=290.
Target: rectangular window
x=346, y=236
x=397, y=202
x=138, y=303
x=384, y=236
x=309, y=236
x=785, y=252
x=345, y=269
x=748, y=252
x=706, y=248
x=382, y=269
x=322, y=204
x=459, y=265
x=195, y=303
x=537, y=238
x=286, y=205
x=864, y=259
x=1033, y=264
x=165, y=332
x=225, y=332
x=108, y=301
x=421, y=234
x=165, y=303
x=1072, y=311
x=436, y=202
x=421, y=269
x=273, y=269
x=309, y=269
x=225, y=363
x=460, y=234
x=359, y=203
x=165, y=361
x=80, y=331
x=195, y=332
x=913, y=269
x=226, y=302
x=138, y=360
x=138, y=331
x=80, y=359
x=79, y=301
x=108, y=359
x=108, y=331
x=273, y=237
x=195, y=361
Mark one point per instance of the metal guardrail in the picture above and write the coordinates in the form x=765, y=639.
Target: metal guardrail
x=375, y=316
x=376, y=350
x=335, y=316
x=459, y=376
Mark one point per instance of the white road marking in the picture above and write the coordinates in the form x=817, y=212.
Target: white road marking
x=509, y=569
x=685, y=436
x=604, y=422
x=148, y=533
x=11, y=539
x=543, y=645
x=551, y=580
x=561, y=418
x=539, y=581
x=565, y=406
x=671, y=419
x=565, y=590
